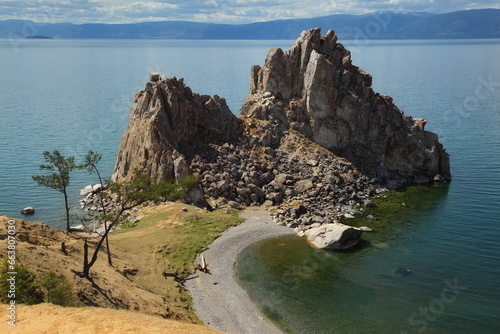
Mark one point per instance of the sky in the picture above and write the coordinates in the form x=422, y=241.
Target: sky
x=219, y=11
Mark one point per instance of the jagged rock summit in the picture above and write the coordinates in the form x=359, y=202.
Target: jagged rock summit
x=315, y=89
x=167, y=123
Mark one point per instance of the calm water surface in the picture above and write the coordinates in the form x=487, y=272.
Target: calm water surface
x=75, y=95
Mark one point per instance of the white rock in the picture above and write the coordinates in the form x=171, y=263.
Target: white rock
x=334, y=236
x=91, y=189
x=28, y=210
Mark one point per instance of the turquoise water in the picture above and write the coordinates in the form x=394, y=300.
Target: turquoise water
x=74, y=95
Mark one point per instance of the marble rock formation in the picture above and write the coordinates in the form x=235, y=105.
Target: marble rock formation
x=315, y=89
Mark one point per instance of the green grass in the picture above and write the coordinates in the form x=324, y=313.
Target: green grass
x=199, y=231
x=168, y=241
x=191, y=234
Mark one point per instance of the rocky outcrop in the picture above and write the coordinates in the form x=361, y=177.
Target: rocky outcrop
x=92, y=188
x=312, y=139
x=168, y=123
x=315, y=89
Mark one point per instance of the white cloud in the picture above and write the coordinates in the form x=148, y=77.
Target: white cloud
x=223, y=11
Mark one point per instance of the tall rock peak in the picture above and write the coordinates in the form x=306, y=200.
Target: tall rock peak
x=315, y=89
x=168, y=124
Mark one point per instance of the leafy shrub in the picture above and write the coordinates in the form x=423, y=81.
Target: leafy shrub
x=129, y=224
x=57, y=289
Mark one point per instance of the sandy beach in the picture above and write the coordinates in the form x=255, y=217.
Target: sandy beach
x=218, y=299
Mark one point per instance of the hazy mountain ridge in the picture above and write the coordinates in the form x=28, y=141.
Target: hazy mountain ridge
x=480, y=23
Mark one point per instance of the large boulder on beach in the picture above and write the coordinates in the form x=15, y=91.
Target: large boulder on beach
x=334, y=236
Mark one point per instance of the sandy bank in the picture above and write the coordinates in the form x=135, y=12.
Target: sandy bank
x=48, y=318
x=218, y=300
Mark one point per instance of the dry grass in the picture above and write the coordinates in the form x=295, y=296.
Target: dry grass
x=52, y=319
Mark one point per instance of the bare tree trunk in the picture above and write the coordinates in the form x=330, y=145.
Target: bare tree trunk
x=101, y=196
x=67, y=208
x=86, y=268
x=86, y=264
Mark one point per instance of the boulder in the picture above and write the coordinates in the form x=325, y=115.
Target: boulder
x=334, y=236
x=370, y=204
x=439, y=178
x=91, y=189
x=234, y=205
x=28, y=210
x=304, y=185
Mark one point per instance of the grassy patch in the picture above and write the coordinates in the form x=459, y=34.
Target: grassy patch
x=168, y=240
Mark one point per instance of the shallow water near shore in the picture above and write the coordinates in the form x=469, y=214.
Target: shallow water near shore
x=75, y=95
x=380, y=285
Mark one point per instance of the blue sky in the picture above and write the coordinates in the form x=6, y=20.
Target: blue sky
x=220, y=11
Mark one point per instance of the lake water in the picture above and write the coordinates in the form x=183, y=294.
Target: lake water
x=75, y=95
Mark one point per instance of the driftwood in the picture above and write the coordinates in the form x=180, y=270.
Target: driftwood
x=203, y=266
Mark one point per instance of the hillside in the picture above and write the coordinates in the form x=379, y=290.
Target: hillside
x=481, y=23
x=164, y=242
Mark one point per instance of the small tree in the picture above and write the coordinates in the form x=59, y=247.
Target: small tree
x=91, y=160
x=61, y=167
x=127, y=196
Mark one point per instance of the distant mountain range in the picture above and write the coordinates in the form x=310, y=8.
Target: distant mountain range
x=480, y=23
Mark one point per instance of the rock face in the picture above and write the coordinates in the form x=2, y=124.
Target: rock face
x=168, y=123
x=334, y=236
x=313, y=88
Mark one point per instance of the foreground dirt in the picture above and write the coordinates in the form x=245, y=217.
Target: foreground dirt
x=48, y=318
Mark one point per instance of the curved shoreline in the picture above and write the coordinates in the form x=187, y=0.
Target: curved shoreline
x=219, y=301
